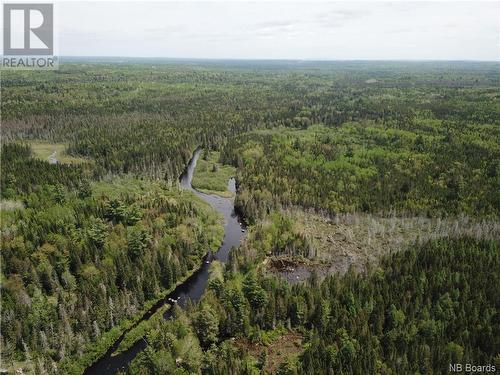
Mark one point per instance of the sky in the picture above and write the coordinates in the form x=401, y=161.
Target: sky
x=281, y=30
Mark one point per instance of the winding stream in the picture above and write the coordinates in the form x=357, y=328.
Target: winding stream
x=193, y=287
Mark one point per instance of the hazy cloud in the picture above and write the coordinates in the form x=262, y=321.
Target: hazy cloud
x=289, y=30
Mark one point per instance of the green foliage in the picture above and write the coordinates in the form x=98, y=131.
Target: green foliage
x=138, y=241
x=23, y=174
x=121, y=212
x=76, y=270
x=173, y=349
x=84, y=250
x=416, y=312
x=371, y=167
x=212, y=177
x=253, y=292
x=97, y=232
x=206, y=326
x=275, y=236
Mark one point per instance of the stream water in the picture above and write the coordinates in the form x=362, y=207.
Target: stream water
x=193, y=287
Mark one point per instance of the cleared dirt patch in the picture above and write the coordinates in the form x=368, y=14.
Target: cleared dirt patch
x=276, y=352
x=353, y=240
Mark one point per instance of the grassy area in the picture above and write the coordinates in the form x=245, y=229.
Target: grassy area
x=114, y=186
x=272, y=348
x=54, y=151
x=8, y=210
x=212, y=177
x=25, y=366
x=363, y=237
x=10, y=205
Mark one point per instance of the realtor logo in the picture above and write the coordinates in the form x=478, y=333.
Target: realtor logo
x=28, y=29
x=28, y=36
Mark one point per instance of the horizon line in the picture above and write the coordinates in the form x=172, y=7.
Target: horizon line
x=276, y=59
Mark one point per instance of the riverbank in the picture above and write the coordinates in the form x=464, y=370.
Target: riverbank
x=124, y=335
x=111, y=340
x=137, y=332
x=108, y=340
x=192, y=288
x=211, y=177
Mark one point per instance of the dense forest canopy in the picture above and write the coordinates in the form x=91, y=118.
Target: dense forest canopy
x=418, y=311
x=92, y=238
x=432, y=168
x=79, y=260
x=148, y=117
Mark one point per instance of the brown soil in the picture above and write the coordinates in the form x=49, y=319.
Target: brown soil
x=281, y=348
x=354, y=240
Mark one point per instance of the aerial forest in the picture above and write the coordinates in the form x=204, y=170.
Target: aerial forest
x=368, y=195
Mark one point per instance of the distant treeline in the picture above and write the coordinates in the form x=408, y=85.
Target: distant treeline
x=147, y=119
